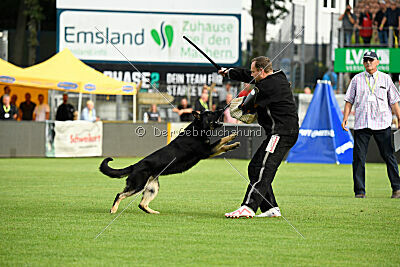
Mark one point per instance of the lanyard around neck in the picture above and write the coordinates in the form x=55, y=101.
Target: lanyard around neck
x=6, y=110
x=369, y=85
x=203, y=104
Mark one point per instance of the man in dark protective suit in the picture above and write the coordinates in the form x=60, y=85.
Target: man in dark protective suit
x=274, y=104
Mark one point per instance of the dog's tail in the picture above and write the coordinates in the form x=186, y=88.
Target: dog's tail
x=114, y=173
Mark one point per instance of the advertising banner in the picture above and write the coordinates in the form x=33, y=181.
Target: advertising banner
x=351, y=59
x=149, y=37
x=74, y=139
x=321, y=137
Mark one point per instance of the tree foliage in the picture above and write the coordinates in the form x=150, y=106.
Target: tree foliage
x=34, y=13
x=264, y=12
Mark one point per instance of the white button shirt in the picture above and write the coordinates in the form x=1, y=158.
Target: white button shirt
x=372, y=110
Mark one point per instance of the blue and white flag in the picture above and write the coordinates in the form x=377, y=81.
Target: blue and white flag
x=321, y=137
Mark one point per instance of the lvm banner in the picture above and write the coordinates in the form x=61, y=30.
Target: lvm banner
x=146, y=37
x=351, y=59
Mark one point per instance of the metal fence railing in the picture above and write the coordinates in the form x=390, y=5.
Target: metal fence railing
x=368, y=36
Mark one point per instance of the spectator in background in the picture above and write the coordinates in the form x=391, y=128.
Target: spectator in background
x=205, y=88
x=349, y=19
x=201, y=103
x=7, y=91
x=26, y=108
x=224, y=91
x=42, y=111
x=152, y=115
x=227, y=114
x=14, y=99
x=391, y=19
x=365, y=25
x=330, y=75
x=307, y=90
x=382, y=31
x=89, y=113
x=65, y=111
x=7, y=110
x=184, y=110
x=246, y=90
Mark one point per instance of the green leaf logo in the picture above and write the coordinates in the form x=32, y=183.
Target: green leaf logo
x=155, y=36
x=166, y=31
x=169, y=31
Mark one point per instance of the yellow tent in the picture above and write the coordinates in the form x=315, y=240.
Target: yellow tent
x=9, y=73
x=65, y=72
x=18, y=77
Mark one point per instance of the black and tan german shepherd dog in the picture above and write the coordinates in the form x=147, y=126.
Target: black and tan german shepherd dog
x=192, y=145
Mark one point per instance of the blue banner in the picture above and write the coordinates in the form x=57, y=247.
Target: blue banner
x=321, y=137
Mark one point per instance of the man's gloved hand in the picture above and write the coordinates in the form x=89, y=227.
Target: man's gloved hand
x=223, y=71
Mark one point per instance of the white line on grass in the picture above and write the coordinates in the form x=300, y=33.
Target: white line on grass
x=262, y=196
x=133, y=200
x=136, y=68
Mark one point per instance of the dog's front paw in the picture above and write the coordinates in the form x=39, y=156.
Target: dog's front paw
x=236, y=145
x=113, y=210
x=233, y=136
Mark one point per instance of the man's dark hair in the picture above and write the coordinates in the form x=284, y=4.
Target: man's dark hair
x=262, y=63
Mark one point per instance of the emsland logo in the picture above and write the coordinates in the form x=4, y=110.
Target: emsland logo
x=167, y=32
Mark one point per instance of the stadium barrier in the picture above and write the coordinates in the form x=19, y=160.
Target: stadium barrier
x=28, y=139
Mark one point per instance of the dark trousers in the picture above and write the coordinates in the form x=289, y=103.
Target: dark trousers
x=262, y=170
x=384, y=142
x=367, y=40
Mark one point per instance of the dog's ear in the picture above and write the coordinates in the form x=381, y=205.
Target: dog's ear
x=196, y=115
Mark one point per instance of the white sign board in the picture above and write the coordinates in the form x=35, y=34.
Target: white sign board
x=149, y=37
x=78, y=139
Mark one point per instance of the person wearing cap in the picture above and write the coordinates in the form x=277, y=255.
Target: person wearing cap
x=374, y=96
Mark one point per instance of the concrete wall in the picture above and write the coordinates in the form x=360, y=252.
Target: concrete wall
x=22, y=139
x=27, y=139
x=123, y=140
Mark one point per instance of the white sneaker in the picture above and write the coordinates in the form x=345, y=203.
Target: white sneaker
x=243, y=211
x=273, y=212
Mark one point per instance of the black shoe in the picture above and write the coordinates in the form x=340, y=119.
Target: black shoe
x=360, y=195
x=396, y=194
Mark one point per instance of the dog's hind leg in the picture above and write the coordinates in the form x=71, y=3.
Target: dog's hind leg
x=150, y=192
x=118, y=198
x=128, y=191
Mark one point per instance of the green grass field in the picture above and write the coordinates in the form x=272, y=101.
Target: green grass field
x=52, y=209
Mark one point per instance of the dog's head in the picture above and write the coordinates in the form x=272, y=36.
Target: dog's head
x=208, y=120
